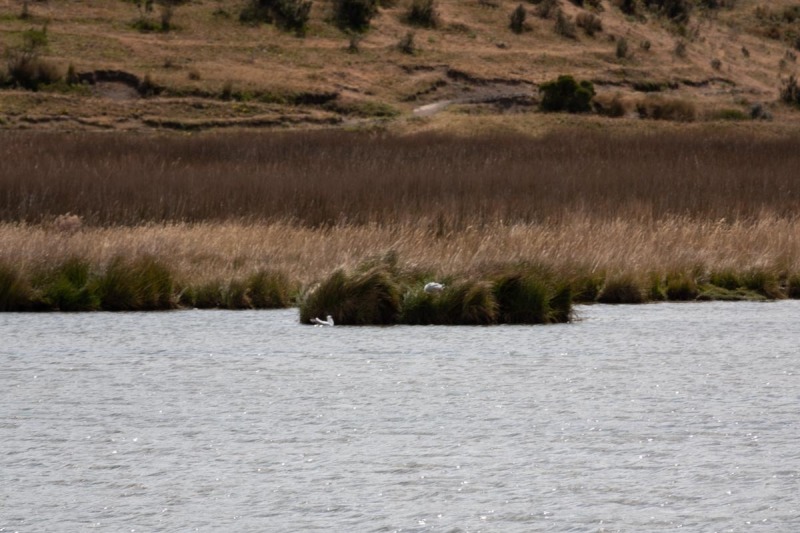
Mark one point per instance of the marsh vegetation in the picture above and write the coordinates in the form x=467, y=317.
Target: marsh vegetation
x=257, y=220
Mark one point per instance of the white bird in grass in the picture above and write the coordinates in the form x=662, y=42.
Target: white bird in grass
x=433, y=287
x=320, y=322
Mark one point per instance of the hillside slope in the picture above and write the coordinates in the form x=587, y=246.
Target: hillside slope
x=210, y=70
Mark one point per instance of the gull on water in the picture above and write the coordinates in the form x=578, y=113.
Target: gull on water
x=320, y=322
x=433, y=287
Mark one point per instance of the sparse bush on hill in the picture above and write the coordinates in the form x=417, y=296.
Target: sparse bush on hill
x=790, y=91
x=25, y=66
x=423, y=13
x=518, y=18
x=292, y=15
x=548, y=8
x=406, y=44
x=622, y=49
x=145, y=7
x=590, y=23
x=629, y=7
x=675, y=10
x=564, y=25
x=355, y=14
x=566, y=94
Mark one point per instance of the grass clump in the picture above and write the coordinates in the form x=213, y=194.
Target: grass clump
x=15, y=291
x=532, y=297
x=143, y=284
x=763, y=282
x=270, y=289
x=68, y=287
x=622, y=289
x=793, y=286
x=680, y=286
x=366, y=298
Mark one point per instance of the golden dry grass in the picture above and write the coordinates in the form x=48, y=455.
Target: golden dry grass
x=199, y=252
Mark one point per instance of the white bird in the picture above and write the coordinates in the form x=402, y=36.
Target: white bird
x=433, y=287
x=320, y=322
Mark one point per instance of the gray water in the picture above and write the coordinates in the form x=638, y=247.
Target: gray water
x=633, y=418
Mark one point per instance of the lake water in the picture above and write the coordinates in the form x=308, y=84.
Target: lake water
x=633, y=418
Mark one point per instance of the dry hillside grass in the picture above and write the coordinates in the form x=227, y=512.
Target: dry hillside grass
x=470, y=57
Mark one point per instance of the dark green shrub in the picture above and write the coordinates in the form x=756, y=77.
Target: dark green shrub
x=566, y=94
x=15, y=292
x=423, y=13
x=355, y=14
x=143, y=284
x=517, y=20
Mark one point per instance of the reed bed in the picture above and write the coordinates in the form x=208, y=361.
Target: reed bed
x=434, y=181
x=248, y=220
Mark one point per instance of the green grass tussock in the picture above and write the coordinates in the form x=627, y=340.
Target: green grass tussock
x=622, y=289
x=763, y=282
x=68, y=287
x=681, y=286
x=142, y=284
x=363, y=298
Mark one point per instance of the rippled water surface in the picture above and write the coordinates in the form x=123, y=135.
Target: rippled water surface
x=634, y=418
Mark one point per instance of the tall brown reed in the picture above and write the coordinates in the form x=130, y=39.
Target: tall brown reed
x=439, y=182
